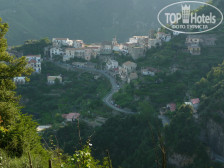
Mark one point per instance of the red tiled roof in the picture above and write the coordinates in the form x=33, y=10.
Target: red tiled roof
x=33, y=61
x=195, y=101
x=71, y=116
x=129, y=63
x=152, y=69
x=172, y=106
x=93, y=47
x=75, y=49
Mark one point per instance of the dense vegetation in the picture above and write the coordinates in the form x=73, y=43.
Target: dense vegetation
x=20, y=145
x=33, y=47
x=76, y=94
x=174, y=86
x=18, y=132
x=211, y=94
x=132, y=141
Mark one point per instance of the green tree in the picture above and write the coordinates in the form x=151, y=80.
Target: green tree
x=34, y=46
x=83, y=159
x=18, y=135
x=182, y=133
x=18, y=132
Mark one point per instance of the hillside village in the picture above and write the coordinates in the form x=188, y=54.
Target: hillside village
x=155, y=100
x=135, y=48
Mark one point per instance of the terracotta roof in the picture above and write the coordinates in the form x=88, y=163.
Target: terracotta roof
x=33, y=61
x=133, y=75
x=93, y=47
x=152, y=69
x=172, y=106
x=195, y=101
x=75, y=49
x=54, y=77
x=161, y=33
x=129, y=63
x=71, y=116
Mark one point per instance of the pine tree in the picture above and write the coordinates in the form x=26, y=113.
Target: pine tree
x=17, y=131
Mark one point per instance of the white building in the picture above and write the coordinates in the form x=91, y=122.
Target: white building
x=51, y=79
x=188, y=103
x=140, y=41
x=117, y=48
x=123, y=73
x=154, y=43
x=84, y=53
x=74, y=52
x=149, y=71
x=106, y=48
x=163, y=36
x=43, y=127
x=19, y=80
x=95, y=50
x=56, y=51
x=71, y=116
x=78, y=44
x=58, y=42
x=111, y=64
x=146, y=72
x=87, y=54
x=129, y=66
x=133, y=40
x=124, y=48
x=34, y=61
x=168, y=38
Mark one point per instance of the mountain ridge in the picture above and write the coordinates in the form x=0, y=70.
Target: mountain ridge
x=92, y=21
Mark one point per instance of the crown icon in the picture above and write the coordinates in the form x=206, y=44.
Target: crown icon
x=186, y=11
x=185, y=7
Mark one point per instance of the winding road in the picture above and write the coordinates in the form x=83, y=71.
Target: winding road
x=107, y=99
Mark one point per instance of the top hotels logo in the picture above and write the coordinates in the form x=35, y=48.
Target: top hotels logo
x=186, y=11
x=188, y=19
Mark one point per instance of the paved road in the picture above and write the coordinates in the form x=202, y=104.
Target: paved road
x=107, y=99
